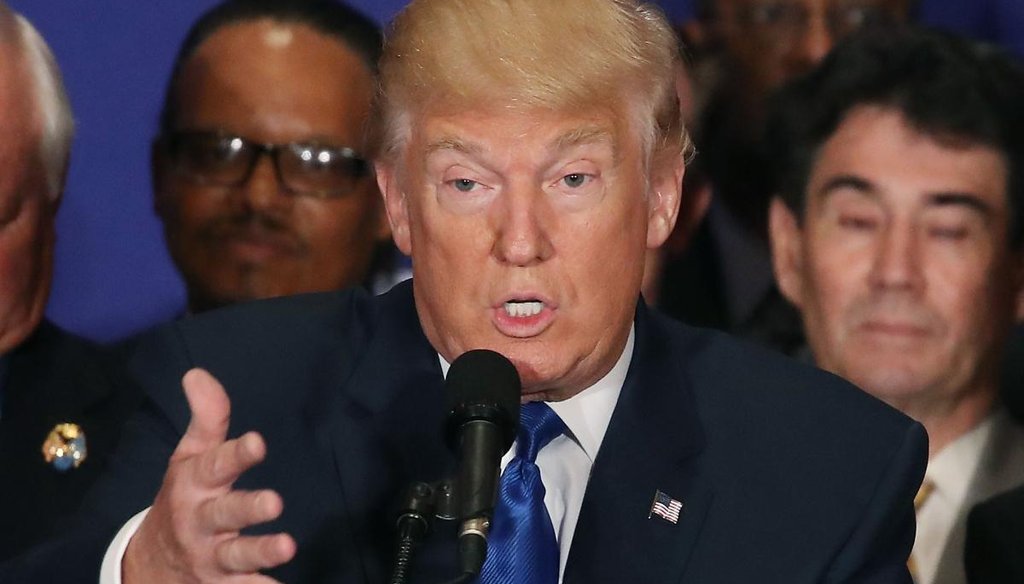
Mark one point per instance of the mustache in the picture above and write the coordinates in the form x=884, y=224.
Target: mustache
x=253, y=226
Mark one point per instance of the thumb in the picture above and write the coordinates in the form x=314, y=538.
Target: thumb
x=211, y=412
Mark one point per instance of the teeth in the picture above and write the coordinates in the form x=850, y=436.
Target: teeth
x=523, y=309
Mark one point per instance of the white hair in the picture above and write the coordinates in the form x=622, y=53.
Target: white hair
x=57, y=124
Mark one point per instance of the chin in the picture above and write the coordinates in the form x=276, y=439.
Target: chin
x=892, y=385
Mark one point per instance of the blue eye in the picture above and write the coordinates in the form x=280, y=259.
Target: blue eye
x=464, y=185
x=574, y=180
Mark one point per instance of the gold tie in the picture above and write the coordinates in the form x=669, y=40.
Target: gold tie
x=927, y=488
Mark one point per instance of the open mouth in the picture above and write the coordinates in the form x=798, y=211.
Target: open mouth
x=523, y=308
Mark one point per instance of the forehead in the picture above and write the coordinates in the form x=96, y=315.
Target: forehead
x=484, y=129
x=902, y=165
x=275, y=81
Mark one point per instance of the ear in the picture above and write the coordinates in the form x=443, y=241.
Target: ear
x=663, y=200
x=395, y=206
x=787, y=250
x=382, y=229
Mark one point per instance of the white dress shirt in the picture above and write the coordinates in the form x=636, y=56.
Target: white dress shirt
x=564, y=463
x=950, y=473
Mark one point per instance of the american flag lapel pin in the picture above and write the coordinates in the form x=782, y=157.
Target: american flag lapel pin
x=665, y=507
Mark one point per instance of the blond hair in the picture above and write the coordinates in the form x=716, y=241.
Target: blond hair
x=555, y=54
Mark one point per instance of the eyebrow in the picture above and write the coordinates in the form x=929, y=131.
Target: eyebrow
x=572, y=138
x=938, y=199
x=961, y=199
x=584, y=135
x=453, y=144
x=846, y=181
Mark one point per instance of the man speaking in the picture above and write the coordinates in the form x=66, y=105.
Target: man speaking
x=530, y=152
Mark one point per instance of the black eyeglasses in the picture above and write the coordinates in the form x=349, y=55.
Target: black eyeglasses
x=786, y=21
x=303, y=168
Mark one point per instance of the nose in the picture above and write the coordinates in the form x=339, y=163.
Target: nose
x=897, y=265
x=523, y=219
x=813, y=44
x=263, y=190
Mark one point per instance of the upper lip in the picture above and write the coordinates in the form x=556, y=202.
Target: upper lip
x=258, y=236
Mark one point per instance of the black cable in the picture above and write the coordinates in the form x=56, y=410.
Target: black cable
x=413, y=525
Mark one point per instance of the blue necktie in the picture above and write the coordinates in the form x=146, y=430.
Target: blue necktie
x=522, y=548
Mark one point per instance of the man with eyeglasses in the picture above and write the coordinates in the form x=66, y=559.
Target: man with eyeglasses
x=259, y=169
x=724, y=279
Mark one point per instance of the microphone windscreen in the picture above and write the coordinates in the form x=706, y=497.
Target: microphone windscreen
x=483, y=384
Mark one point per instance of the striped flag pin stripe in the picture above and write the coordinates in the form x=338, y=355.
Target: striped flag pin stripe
x=665, y=507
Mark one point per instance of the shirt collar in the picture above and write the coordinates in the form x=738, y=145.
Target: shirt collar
x=588, y=413
x=951, y=470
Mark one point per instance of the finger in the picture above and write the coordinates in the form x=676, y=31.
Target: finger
x=221, y=466
x=237, y=510
x=246, y=554
x=211, y=413
x=251, y=579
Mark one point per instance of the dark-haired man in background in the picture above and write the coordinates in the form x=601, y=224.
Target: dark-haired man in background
x=260, y=170
x=898, y=234
x=748, y=49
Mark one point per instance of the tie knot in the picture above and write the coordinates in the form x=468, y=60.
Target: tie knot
x=538, y=425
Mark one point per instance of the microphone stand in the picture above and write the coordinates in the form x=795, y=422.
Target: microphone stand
x=421, y=502
x=413, y=525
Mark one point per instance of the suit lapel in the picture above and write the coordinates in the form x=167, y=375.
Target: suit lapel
x=383, y=429
x=653, y=443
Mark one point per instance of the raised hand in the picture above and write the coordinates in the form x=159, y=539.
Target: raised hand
x=191, y=533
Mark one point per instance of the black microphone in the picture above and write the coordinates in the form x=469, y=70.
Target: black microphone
x=483, y=390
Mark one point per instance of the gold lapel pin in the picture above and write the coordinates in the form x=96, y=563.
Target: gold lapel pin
x=64, y=447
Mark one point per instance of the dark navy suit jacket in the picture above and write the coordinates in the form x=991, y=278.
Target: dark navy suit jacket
x=786, y=474
x=53, y=377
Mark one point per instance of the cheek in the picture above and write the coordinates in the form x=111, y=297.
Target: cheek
x=186, y=207
x=833, y=280
x=972, y=302
x=13, y=272
x=334, y=224
x=21, y=263
x=605, y=254
x=440, y=238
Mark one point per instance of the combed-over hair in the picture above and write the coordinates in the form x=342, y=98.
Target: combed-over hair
x=524, y=54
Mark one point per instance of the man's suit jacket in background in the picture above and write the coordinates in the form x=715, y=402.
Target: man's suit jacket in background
x=1000, y=469
x=995, y=538
x=53, y=377
x=785, y=473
